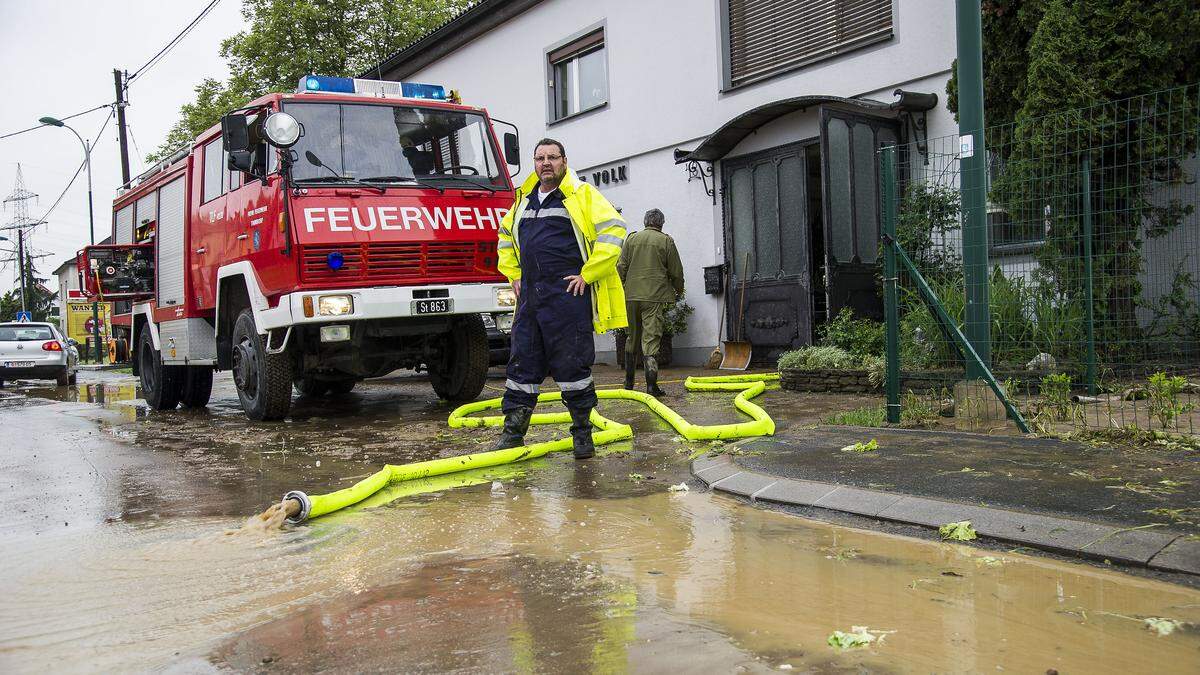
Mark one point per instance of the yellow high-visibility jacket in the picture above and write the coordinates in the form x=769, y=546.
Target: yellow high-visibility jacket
x=600, y=231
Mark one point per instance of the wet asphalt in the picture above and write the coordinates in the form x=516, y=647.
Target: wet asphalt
x=124, y=550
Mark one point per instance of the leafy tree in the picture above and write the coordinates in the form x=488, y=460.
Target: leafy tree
x=1052, y=70
x=290, y=38
x=38, y=299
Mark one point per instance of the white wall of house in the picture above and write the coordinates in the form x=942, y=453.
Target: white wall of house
x=664, y=64
x=68, y=280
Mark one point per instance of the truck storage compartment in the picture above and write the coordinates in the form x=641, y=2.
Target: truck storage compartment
x=117, y=272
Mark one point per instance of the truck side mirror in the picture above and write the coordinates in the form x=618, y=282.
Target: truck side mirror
x=512, y=149
x=235, y=133
x=242, y=160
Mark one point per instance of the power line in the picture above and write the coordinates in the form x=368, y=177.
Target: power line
x=89, y=110
x=171, y=45
x=141, y=157
x=82, y=164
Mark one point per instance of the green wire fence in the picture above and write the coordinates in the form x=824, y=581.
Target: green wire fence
x=1093, y=252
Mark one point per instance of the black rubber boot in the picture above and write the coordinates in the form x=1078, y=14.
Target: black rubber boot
x=516, y=423
x=630, y=368
x=581, y=433
x=652, y=377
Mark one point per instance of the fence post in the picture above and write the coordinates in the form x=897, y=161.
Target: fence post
x=1086, y=178
x=891, y=310
x=973, y=173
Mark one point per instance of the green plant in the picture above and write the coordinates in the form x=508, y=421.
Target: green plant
x=818, y=358
x=928, y=213
x=1164, y=397
x=860, y=337
x=675, y=321
x=917, y=411
x=1056, y=397
x=876, y=367
x=871, y=416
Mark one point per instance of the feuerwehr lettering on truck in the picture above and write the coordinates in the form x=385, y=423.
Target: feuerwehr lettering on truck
x=368, y=218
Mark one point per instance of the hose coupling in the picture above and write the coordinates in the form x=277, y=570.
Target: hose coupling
x=305, y=506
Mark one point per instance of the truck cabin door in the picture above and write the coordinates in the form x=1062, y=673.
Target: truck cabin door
x=212, y=242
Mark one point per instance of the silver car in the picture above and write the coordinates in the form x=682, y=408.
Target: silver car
x=32, y=350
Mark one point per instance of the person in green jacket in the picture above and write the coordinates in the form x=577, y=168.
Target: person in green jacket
x=652, y=275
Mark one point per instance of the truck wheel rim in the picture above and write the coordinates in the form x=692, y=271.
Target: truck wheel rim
x=245, y=368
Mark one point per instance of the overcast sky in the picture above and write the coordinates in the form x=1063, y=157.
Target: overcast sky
x=58, y=58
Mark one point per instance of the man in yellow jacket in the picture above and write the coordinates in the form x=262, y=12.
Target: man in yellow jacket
x=558, y=246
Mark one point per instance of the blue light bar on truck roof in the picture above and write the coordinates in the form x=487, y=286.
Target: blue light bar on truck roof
x=350, y=85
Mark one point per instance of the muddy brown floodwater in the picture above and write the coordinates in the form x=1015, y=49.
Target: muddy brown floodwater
x=551, y=566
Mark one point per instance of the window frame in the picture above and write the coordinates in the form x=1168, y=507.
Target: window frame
x=573, y=47
x=723, y=37
x=223, y=168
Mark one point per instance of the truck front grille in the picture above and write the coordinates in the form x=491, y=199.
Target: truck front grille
x=399, y=262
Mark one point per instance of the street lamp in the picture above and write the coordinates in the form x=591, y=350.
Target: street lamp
x=87, y=160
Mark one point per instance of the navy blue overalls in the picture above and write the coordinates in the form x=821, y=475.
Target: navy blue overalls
x=552, y=329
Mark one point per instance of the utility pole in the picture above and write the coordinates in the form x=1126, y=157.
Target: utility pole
x=119, y=81
x=18, y=201
x=974, y=181
x=21, y=266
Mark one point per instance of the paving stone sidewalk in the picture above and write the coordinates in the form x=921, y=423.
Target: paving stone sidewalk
x=1137, y=507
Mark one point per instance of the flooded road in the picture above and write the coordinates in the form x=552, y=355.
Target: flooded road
x=122, y=551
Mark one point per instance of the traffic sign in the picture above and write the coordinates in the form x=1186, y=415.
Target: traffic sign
x=25, y=316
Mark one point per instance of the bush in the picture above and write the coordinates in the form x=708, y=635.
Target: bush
x=818, y=358
x=1164, y=398
x=860, y=337
x=676, y=318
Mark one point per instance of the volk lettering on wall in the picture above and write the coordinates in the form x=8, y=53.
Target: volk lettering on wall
x=614, y=175
x=368, y=218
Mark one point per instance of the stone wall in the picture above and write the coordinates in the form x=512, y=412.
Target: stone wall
x=839, y=381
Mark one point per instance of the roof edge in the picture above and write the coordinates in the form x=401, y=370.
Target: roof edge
x=446, y=38
x=720, y=142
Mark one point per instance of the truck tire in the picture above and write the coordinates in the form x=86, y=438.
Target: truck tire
x=160, y=383
x=264, y=381
x=462, y=369
x=197, y=386
x=342, y=386
x=309, y=386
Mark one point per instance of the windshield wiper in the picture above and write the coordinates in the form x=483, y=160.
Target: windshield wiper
x=340, y=179
x=428, y=180
x=469, y=179
x=389, y=179
x=316, y=161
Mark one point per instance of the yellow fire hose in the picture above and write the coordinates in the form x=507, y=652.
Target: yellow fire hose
x=300, y=506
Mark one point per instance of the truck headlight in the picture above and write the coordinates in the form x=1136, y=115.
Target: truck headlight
x=335, y=305
x=504, y=296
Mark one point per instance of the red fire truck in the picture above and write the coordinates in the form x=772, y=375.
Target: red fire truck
x=311, y=240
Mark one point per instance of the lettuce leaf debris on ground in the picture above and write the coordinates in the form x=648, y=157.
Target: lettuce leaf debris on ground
x=960, y=531
x=870, y=446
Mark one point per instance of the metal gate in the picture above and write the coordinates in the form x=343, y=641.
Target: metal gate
x=767, y=243
x=850, y=143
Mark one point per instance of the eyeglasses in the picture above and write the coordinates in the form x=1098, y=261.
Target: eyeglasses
x=547, y=158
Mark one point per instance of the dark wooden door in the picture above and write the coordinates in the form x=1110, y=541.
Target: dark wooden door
x=767, y=249
x=850, y=149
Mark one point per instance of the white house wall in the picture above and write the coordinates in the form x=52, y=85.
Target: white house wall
x=664, y=64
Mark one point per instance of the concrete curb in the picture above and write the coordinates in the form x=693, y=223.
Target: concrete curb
x=1142, y=547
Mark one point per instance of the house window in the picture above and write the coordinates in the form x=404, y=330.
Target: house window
x=578, y=76
x=767, y=37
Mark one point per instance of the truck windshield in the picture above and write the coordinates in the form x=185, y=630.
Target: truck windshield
x=394, y=144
